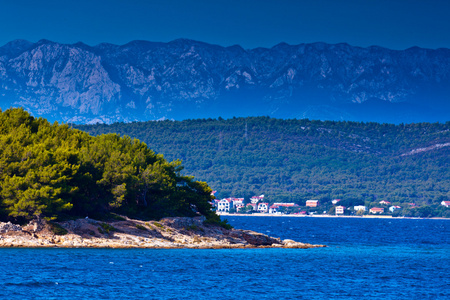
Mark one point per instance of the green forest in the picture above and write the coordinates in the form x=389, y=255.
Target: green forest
x=296, y=160
x=56, y=172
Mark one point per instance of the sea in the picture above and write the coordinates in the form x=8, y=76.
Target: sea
x=365, y=259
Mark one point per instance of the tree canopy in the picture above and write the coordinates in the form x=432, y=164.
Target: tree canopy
x=53, y=171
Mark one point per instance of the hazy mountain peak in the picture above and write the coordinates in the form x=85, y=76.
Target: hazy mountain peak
x=15, y=47
x=184, y=78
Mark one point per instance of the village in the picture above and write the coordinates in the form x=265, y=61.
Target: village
x=312, y=207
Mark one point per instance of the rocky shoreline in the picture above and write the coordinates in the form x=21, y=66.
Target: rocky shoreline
x=168, y=233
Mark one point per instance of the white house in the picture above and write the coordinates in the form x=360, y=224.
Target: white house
x=238, y=207
x=445, y=203
x=224, y=205
x=237, y=201
x=255, y=199
x=394, y=208
x=340, y=210
x=385, y=202
x=274, y=209
x=359, y=207
x=216, y=203
x=335, y=201
x=263, y=207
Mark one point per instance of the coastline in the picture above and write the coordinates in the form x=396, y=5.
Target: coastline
x=330, y=216
x=304, y=216
x=168, y=233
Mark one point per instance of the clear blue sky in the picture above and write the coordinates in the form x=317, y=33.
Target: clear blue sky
x=396, y=24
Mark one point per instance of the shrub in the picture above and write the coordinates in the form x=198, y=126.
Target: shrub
x=117, y=217
x=158, y=225
x=194, y=228
x=106, y=228
x=57, y=229
x=224, y=224
x=140, y=227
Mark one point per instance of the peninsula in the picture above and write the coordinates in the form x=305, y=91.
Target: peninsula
x=168, y=233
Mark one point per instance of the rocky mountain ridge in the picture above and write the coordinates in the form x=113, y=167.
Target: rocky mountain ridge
x=189, y=79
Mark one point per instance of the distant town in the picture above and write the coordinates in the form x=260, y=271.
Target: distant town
x=258, y=204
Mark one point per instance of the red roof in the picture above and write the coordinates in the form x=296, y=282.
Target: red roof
x=285, y=204
x=235, y=199
x=377, y=209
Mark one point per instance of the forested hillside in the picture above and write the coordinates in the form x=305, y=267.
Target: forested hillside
x=55, y=172
x=296, y=160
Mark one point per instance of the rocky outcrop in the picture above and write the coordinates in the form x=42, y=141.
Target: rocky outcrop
x=255, y=238
x=188, y=79
x=127, y=233
x=9, y=227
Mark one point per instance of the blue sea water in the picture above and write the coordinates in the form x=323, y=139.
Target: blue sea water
x=366, y=259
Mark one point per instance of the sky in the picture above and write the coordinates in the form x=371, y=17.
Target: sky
x=395, y=24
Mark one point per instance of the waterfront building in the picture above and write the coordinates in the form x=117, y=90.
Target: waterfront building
x=224, y=205
x=312, y=203
x=256, y=199
x=359, y=207
x=340, y=210
x=394, y=208
x=274, y=209
x=376, y=210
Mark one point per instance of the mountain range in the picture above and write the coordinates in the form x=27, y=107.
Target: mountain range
x=186, y=79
